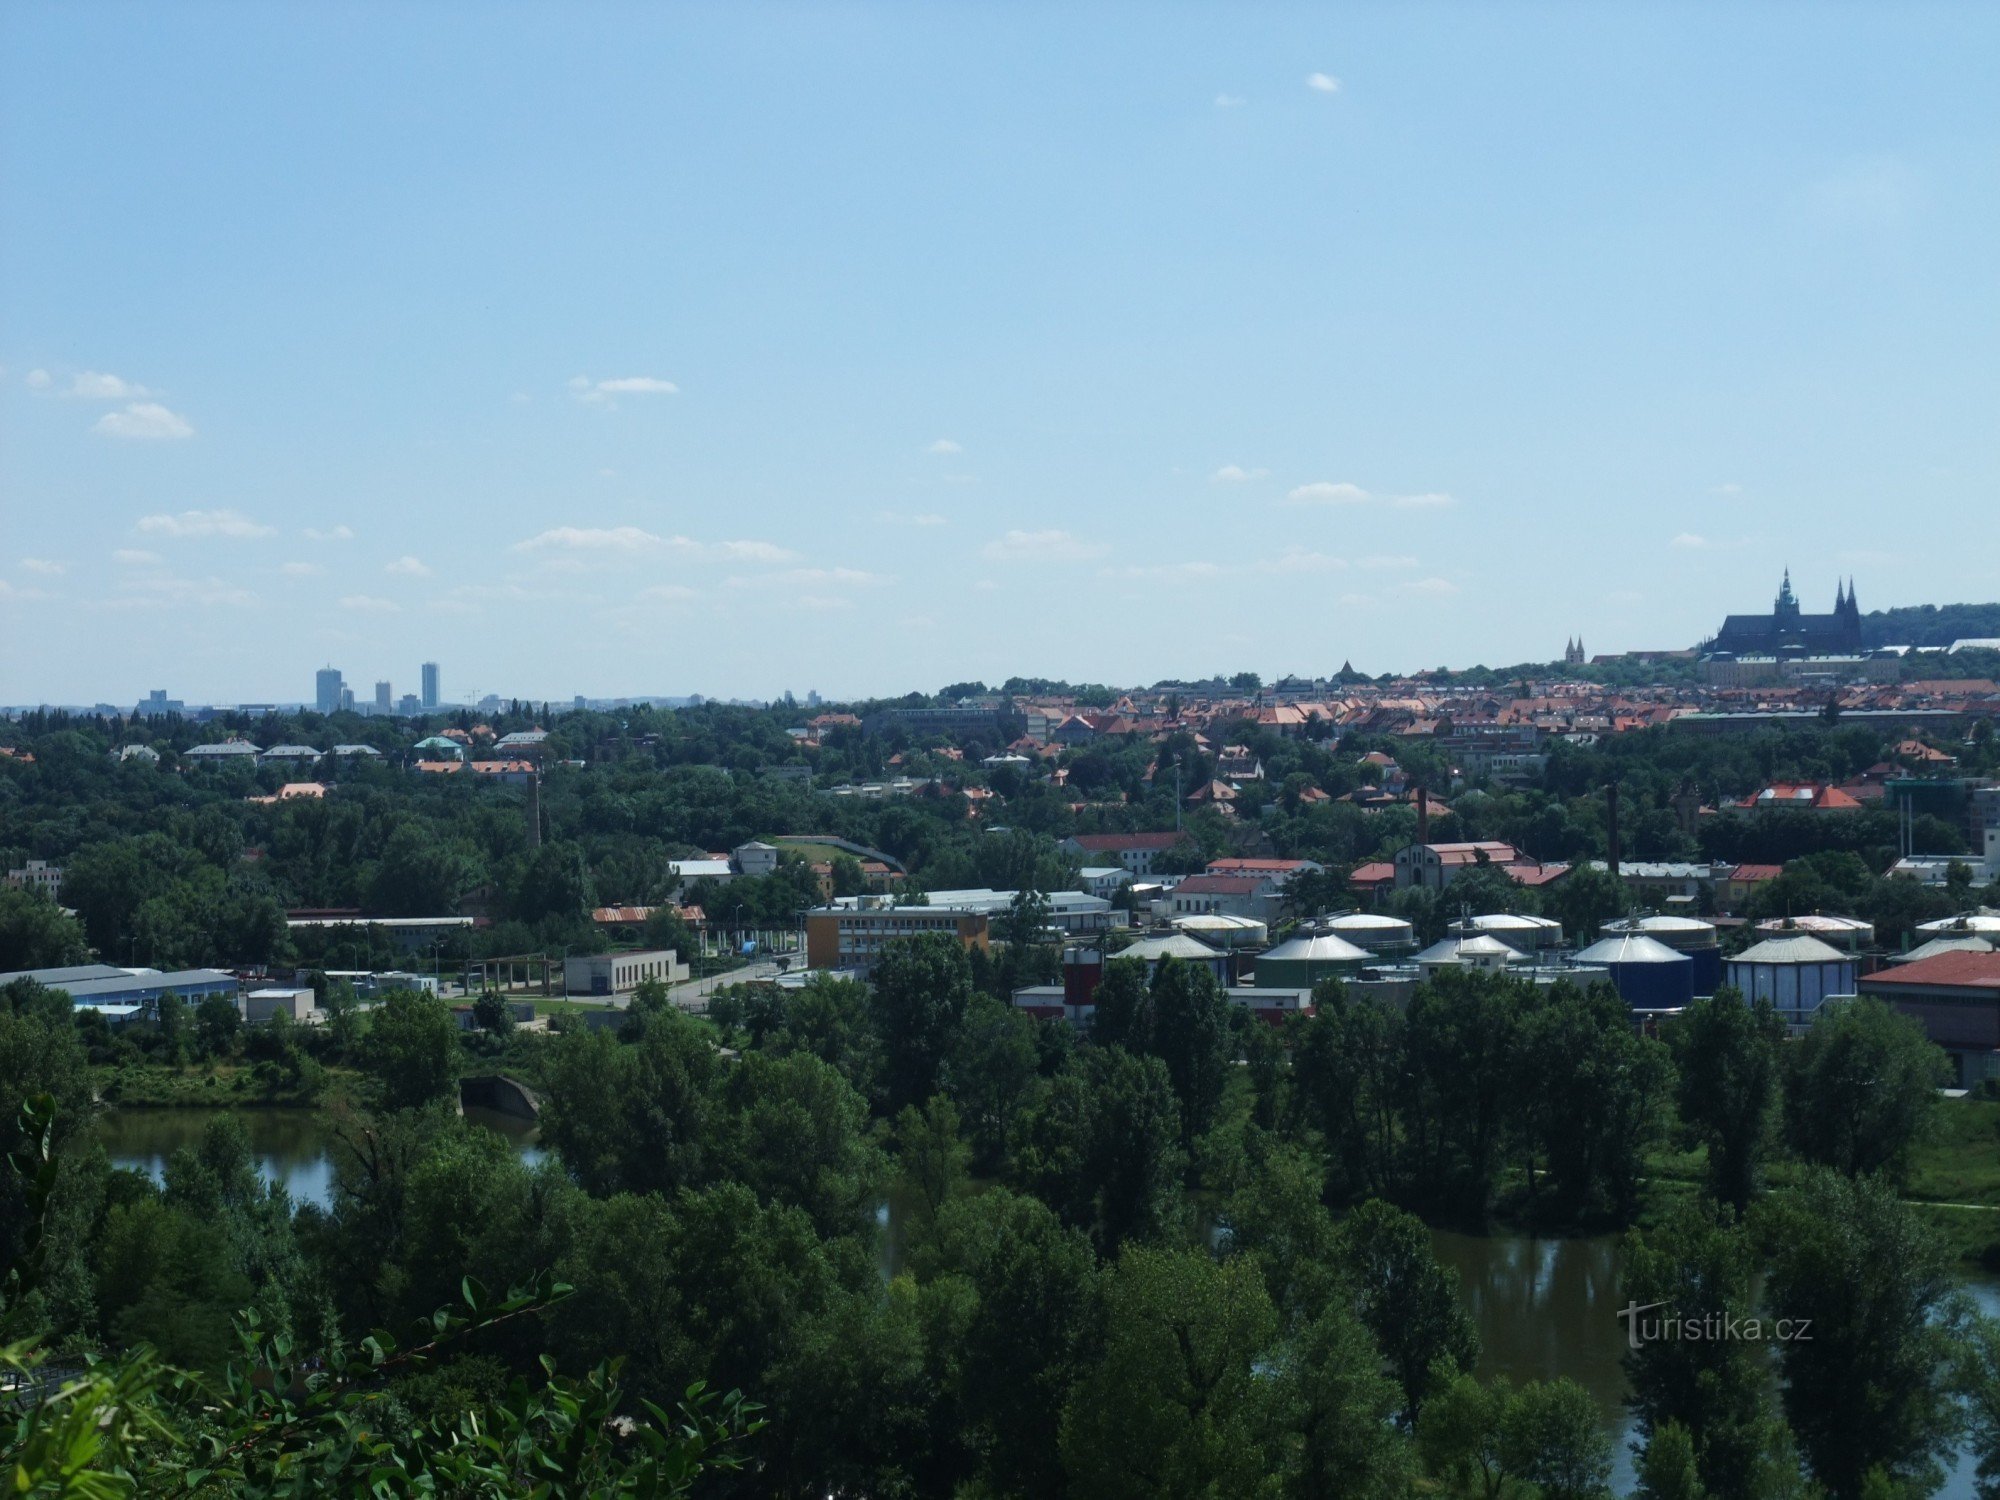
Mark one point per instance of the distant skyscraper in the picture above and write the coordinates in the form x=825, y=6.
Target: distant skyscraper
x=430, y=684
x=385, y=701
x=347, y=698
x=327, y=688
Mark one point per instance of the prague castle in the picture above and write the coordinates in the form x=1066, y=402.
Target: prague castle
x=1785, y=632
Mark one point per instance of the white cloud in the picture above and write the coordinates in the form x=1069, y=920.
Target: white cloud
x=1436, y=588
x=1691, y=541
x=1191, y=569
x=1356, y=601
x=47, y=567
x=1382, y=562
x=135, y=557
x=1229, y=101
x=1433, y=500
x=944, y=445
x=592, y=539
x=196, y=523
x=329, y=534
x=39, y=380
x=820, y=603
x=1323, y=83
x=1295, y=560
x=408, y=567
x=560, y=539
x=1731, y=488
x=369, y=604
x=672, y=593
x=92, y=385
x=1298, y=560
x=586, y=389
x=897, y=518
x=743, y=551
x=146, y=420
x=849, y=577
x=1323, y=492
x=1236, y=474
x=1043, y=546
x=301, y=570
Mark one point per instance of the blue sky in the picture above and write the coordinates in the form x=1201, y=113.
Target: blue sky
x=647, y=349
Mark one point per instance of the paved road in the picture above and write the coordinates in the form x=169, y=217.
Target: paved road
x=695, y=992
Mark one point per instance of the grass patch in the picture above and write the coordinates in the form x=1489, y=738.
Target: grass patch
x=1961, y=1161
x=208, y=1085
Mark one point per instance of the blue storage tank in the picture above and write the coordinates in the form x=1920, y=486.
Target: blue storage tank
x=1689, y=935
x=1647, y=974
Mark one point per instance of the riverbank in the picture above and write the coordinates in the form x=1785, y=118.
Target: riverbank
x=215, y=1085
x=1954, y=1179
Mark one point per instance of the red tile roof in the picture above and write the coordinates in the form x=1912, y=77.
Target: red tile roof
x=1964, y=970
x=1220, y=885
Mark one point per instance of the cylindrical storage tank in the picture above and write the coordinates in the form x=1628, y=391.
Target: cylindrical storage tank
x=1521, y=933
x=1373, y=931
x=1220, y=930
x=1850, y=933
x=1689, y=935
x=1982, y=923
x=1304, y=959
x=1796, y=974
x=1468, y=953
x=1648, y=975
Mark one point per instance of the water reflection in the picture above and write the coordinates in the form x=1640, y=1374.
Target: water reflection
x=289, y=1146
x=1548, y=1308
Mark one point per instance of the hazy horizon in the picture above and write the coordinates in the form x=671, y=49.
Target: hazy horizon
x=626, y=351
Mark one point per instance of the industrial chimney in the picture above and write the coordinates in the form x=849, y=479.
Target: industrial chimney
x=1423, y=814
x=1611, y=825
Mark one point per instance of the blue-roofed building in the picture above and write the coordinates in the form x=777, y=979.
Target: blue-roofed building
x=103, y=986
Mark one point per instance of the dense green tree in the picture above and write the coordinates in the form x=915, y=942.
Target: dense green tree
x=632, y=1116
x=921, y=988
x=413, y=1049
x=1595, y=1097
x=1407, y=1300
x=170, y=1023
x=1460, y=1088
x=992, y=1067
x=1491, y=1439
x=216, y=1024
x=1667, y=1467
x=1277, y=1217
x=1192, y=1036
x=1861, y=1089
x=931, y=1159
x=35, y=933
x=1861, y=1288
x=1347, y=1080
x=1037, y=1316
x=1099, y=1143
x=793, y=1130
x=1712, y=1389
x=1173, y=1405
x=167, y=1278
x=1329, y=1424
x=1727, y=1062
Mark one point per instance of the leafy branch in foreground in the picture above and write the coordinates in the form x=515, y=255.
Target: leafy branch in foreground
x=279, y=1424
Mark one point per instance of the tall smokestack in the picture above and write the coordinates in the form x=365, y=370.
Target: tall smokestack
x=1423, y=815
x=1611, y=822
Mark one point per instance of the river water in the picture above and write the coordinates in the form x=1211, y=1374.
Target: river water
x=1544, y=1308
